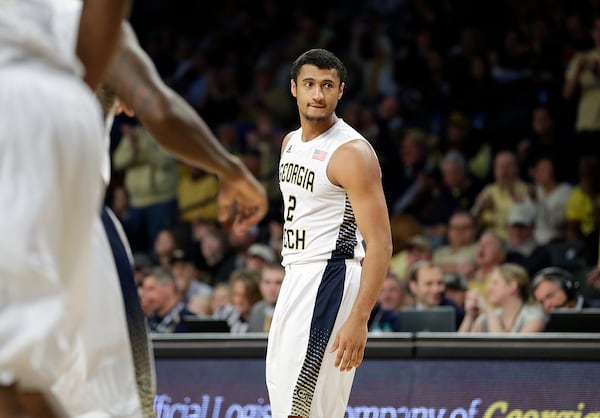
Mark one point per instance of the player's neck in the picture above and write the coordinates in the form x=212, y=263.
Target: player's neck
x=312, y=128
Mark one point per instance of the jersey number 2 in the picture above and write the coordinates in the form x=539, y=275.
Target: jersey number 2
x=291, y=207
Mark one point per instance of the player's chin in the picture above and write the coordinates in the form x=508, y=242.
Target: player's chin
x=317, y=114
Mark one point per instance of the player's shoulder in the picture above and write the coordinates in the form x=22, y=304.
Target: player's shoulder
x=287, y=139
x=356, y=148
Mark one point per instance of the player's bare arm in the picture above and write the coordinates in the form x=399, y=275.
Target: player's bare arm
x=180, y=130
x=98, y=36
x=355, y=167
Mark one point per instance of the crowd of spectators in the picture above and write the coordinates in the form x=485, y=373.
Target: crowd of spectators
x=485, y=117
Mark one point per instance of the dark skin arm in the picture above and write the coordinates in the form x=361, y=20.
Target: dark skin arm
x=98, y=36
x=182, y=132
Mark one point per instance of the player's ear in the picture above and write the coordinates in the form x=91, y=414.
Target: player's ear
x=293, y=87
x=341, y=91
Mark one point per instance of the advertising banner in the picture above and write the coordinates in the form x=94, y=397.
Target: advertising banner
x=393, y=388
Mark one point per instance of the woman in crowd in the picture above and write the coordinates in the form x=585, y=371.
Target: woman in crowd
x=507, y=308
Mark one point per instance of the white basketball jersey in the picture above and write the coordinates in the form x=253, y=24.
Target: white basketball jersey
x=28, y=32
x=319, y=223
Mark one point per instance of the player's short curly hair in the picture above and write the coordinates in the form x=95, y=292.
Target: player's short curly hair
x=320, y=58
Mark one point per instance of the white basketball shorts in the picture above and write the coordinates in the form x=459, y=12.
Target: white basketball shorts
x=314, y=301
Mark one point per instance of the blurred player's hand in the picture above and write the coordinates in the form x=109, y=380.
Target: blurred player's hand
x=242, y=201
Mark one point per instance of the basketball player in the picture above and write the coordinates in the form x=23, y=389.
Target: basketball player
x=133, y=77
x=331, y=185
x=49, y=191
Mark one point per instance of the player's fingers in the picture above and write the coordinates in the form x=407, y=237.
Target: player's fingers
x=336, y=344
x=350, y=359
x=360, y=355
x=340, y=352
x=227, y=206
x=246, y=218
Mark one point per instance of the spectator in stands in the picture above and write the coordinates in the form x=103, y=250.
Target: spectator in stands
x=493, y=202
x=457, y=193
x=507, y=309
x=456, y=288
x=393, y=293
x=460, y=136
x=200, y=304
x=550, y=199
x=459, y=256
x=491, y=252
x=259, y=256
x=219, y=259
x=271, y=278
x=375, y=62
x=392, y=297
x=555, y=288
x=410, y=175
x=426, y=283
x=165, y=245
x=142, y=263
x=220, y=302
x=151, y=183
x=119, y=202
x=544, y=140
x=582, y=82
x=187, y=277
x=418, y=249
x=160, y=295
x=245, y=293
x=583, y=208
x=523, y=249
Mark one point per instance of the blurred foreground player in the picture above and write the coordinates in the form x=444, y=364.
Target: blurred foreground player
x=133, y=78
x=49, y=190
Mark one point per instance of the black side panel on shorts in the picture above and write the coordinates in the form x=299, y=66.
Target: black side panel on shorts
x=327, y=305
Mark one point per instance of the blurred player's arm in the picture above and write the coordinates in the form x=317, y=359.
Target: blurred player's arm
x=98, y=36
x=180, y=130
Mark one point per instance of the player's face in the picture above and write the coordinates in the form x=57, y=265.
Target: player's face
x=317, y=92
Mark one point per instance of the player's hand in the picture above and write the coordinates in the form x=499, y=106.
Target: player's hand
x=350, y=342
x=242, y=201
